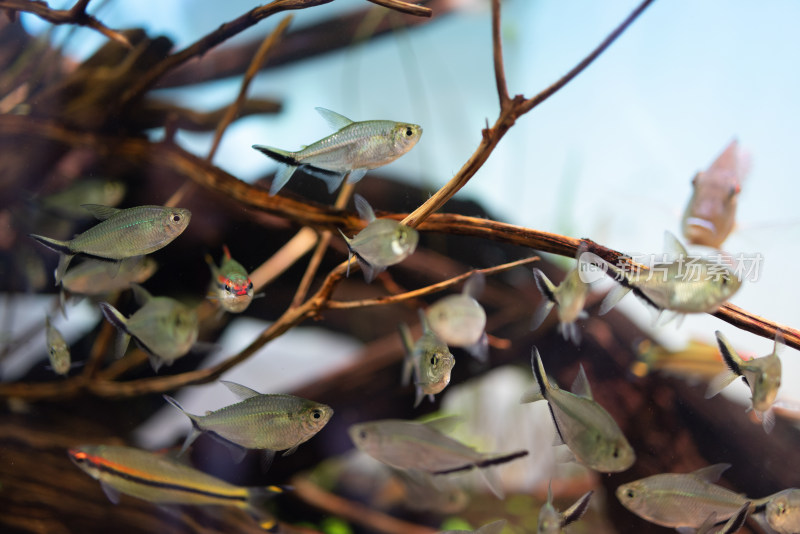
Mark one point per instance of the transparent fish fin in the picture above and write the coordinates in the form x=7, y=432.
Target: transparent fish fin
x=474, y=285
x=761, y=521
x=720, y=382
x=268, y=456
x=780, y=343
x=119, y=321
x=282, y=176
x=495, y=527
x=141, y=295
x=100, y=212
x=574, y=512
x=349, y=252
x=408, y=360
x=570, y=332
x=557, y=439
x=580, y=386
x=370, y=271
x=545, y=286
x=365, y=211
x=613, y=297
x=242, y=392
x=237, y=453
x=672, y=246
x=729, y=354
x=334, y=120
x=736, y=521
x=111, y=493
x=493, y=481
x=290, y=450
x=63, y=263
x=155, y=362
x=356, y=175
x=532, y=395
x=768, y=420
x=62, y=302
x=480, y=350
x=541, y=313
x=419, y=396
x=564, y=455
x=711, y=473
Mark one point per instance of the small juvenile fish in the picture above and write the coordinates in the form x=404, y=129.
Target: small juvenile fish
x=569, y=296
x=495, y=527
x=783, y=511
x=161, y=480
x=762, y=376
x=430, y=360
x=162, y=327
x=551, y=521
x=711, y=213
x=268, y=422
x=383, y=242
x=421, y=447
x=732, y=525
x=68, y=201
x=685, y=285
x=57, y=349
x=460, y=321
x=121, y=234
x=98, y=277
x=698, y=361
x=230, y=283
x=355, y=148
x=681, y=500
x=582, y=424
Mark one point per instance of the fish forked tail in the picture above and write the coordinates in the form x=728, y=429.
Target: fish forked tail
x=547, y=289
x=196, y=431
x=61, y=247
x=257, y=500
x=119, y=321
x=285, y=171
x=541, y=385
x=732, y=360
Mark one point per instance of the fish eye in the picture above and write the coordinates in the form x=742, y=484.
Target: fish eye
x=630, y=494
x=228, y=288
x=409, y=132
x=434, y=359
x=616, y=452
x=176, y=217
x=362, y=434
x=249, y=284
x=316, y=414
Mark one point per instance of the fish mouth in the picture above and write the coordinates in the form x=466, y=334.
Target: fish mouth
x=702, y=223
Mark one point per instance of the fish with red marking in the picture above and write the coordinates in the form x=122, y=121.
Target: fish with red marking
x=230, y=283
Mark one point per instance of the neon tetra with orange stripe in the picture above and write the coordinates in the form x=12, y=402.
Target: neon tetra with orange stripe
x=230, y=284
x=158, y=479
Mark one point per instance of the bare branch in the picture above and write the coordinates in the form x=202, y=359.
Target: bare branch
x=76, y=15
x=404, y=7
x=497, y=50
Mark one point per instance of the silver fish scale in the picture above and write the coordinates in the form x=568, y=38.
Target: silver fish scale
x=352, y=147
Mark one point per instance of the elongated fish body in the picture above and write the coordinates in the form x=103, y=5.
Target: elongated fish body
x=569, y=297
x=121, y=234
x=698, y=361
x=495, y=527
x=273, y=422
x=355, y=148
x=230, y=283
x=98, y=277
x=783, y=511
x=762, y=376
x=161, y=480
x=57, y=349
x=420, y=446
x=732, y=525
x=551, y=521
x=582, y=424
x=711, y=213
x=383, y=242
x=429, y=359
x=165, y=328
x=681, y=500
x=685, y=285
x=68, y=201
x=460, y=321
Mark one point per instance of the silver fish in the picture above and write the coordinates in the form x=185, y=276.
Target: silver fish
x=460, y=321
x=161, y=480
x=569, y=296
x=681, y=500
x=57, y=349
x=685, y=285
x=230, y=283
x=98, y=277
x=268, y=422
x=68, y=202
x=422, y=447
x=383, y=242
x=495, y=527
x=783, y=511
x=711, y=212
x=163, y=327
x=355, y=148
x=429, y=359
x=732, y=525
x=121, y=234
x=582, y=424
x=762, y=376
x=551, y=521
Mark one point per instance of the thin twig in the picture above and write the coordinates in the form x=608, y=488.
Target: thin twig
x=497, y=51
x=404, y=7
x=427, y=290
x=76, y=15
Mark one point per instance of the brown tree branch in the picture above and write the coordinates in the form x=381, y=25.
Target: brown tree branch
x=76, y=15
x=497, y=53
x=404, y=7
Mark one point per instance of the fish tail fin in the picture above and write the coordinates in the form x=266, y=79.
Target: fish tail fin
x=545, y=286
x=570, y=332
x=542, y=384
x=349, y=252
x=289, y=165
x=612, y=298
x=767, y=419
x=732, y=359
x=720, y=382
x=574, y=512
x=541, y=313
x=193, y=418
x=408, y=360
x=119, y=321
x=53, y=244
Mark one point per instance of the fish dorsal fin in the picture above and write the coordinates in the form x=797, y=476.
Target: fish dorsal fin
x=580, y=386
x=474, y=285
x=550, y=492
x=711, y=473
x=423, y=319
x=574, y=512
x=140, y=294
x=243, y=392
x=444, y=424
x=364, y=209
x=334, y=120
x=226, y=252
x=100, y=212
x=780, y=342
x=672, y=246
x=495, y=527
